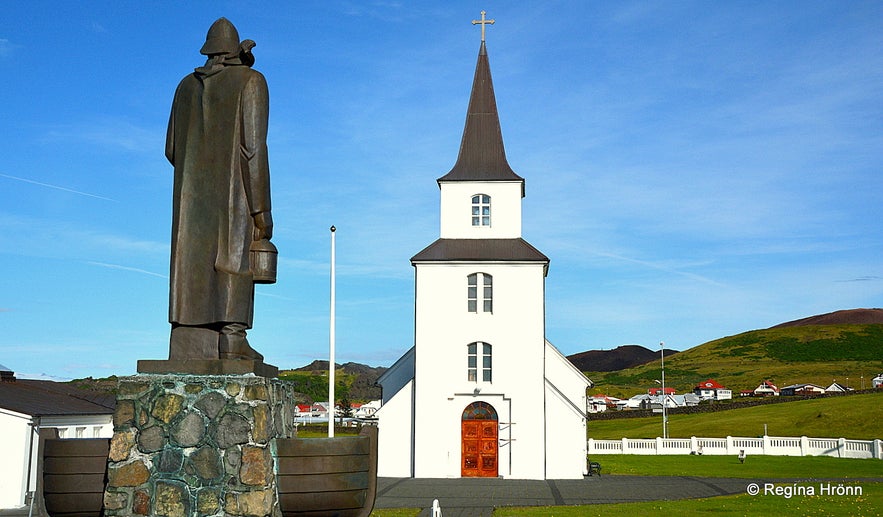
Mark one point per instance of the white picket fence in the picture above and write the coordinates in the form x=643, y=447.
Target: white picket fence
x=764, y=445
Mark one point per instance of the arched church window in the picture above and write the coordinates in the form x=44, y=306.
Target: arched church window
x=479, y=363
x=480, y=411
x=481, y=210
x=480, y=292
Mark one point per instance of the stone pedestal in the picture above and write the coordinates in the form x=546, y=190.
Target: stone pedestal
x=197, y=445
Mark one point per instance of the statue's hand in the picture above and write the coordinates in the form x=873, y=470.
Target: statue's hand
x=263, y=226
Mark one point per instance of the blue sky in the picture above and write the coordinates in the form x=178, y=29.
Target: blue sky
x=694, y=169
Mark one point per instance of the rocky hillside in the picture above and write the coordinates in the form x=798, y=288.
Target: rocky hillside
x=620, y=358
x=846, y=317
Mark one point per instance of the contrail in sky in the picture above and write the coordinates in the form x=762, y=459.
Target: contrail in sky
x=56, y=187
x=126, y=268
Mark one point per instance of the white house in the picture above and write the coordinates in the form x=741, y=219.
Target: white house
x=26, y=406
x=766, y=389
x=877, y=382
x=836, y=387
x=710, y=389
x=482, y=393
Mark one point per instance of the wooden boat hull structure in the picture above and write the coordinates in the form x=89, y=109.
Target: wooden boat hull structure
x=327, y=476
x=74, y=476
x=316, y=476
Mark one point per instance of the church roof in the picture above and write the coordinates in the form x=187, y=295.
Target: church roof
x=481, y=250
x=482, y=156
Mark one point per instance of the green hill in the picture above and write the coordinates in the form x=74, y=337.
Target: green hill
x=818, y=354
x=854, y=417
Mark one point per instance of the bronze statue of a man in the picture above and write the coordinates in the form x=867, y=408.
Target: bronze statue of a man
x=217, y=142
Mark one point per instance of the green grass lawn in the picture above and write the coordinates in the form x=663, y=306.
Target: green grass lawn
x=870, y=503
x=855, y=417
x=755, y=467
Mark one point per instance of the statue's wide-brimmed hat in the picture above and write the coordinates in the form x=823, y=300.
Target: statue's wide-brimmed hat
x=222, y=38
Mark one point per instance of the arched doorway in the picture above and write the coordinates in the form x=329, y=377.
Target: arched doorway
x=478, y=434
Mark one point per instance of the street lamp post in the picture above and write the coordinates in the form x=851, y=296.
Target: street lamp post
x=664, y=415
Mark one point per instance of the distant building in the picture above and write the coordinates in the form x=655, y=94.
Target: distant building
x=877, y=382
x=766, y=389
x=802, y=389
x=26, y=406
x=658, y=391
x=600, y=403
x=836, y=387
x=710, y=389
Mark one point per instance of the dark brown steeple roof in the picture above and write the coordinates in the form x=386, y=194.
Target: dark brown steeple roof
x=482, y=157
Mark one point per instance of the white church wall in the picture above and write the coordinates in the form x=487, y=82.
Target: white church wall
x=14, y=447
x=395, y=442
x=565, y=416
x=565, y=439
x=456, y=210
x=515, y=331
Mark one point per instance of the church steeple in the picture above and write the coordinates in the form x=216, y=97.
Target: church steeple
x=482, y=156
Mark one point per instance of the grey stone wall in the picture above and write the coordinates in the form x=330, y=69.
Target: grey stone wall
x=197, y=446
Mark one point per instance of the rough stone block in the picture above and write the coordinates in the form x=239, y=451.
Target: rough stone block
x=167, y=407
x=256, y=392
x=261, y=430
x=231, y=429
x=129, y=474
x=151, y=439
x=172, y=499
x=189, y=430
x=121, y=444
x=124, y=414
x=250, y=504
x=141, y=503
x=233, y=388
x=205, y=462
x=257, y=466
x=211, y=404
x=170, y=460
x=116, y=500
x=208, y=502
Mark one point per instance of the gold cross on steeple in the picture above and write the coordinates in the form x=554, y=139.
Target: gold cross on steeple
x=483, y=23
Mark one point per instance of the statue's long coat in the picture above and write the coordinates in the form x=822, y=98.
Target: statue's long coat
x=217, y=141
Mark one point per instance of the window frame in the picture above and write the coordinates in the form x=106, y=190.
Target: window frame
x=479, y=361
x=480, y=212
x=482, y=292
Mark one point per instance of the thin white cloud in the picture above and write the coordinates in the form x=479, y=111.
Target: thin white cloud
x=56, y=187
x=127, y=268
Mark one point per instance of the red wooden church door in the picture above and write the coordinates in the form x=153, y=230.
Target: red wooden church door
x=479, y=448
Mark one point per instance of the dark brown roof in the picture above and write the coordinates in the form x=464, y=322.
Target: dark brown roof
x=482, y=157
x=480, y=250
x=45, y=398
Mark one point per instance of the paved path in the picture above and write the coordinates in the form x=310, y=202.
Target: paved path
x=474, y=497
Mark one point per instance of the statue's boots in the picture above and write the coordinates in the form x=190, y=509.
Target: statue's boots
x=233, y=345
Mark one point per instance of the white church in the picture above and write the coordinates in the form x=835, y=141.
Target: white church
x=482, y=393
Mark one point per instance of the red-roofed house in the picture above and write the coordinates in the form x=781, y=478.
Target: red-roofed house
x=712, y=390
x=658, y=391
x=766, y=389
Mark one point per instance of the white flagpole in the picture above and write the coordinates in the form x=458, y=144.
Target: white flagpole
x=331, y=346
